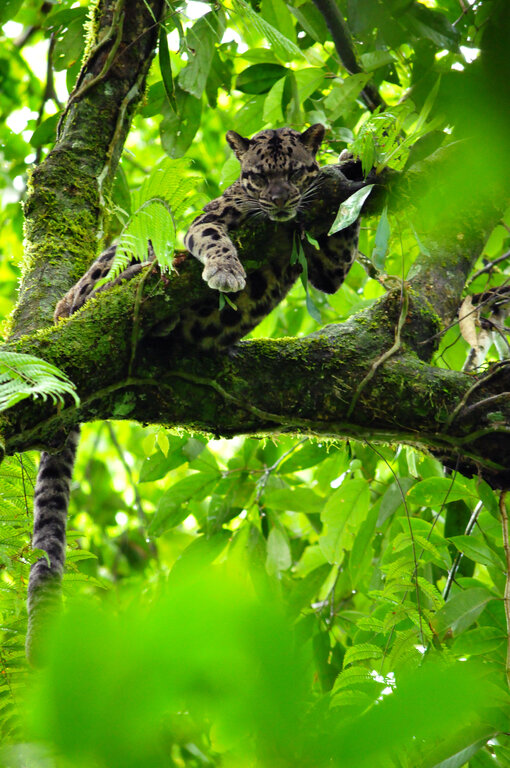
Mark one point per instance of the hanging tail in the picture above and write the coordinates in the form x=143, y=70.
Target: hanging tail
x=51, y=500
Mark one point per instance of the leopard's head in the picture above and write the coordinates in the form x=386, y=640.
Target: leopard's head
x=278, y=167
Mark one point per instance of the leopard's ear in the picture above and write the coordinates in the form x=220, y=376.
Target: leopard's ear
x=238, y=143
x=312, y=137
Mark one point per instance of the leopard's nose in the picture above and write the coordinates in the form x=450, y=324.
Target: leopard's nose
x=278, y=198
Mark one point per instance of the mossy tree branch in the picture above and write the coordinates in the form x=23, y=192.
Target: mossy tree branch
x=301, y=385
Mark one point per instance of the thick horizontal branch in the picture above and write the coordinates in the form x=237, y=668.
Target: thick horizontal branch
x=351, y=379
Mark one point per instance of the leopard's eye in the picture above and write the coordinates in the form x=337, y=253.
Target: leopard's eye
x=297, y=174
x=255, y=177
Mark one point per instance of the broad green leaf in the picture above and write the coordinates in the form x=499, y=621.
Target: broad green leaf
x=9, y=9
x=158, y=465
x=308, y=81
x=350, y=209
x=433, y=25
x=478, y=551
x=165, y=66
x=178, y=130
x=293, y=499
x=308, y=455
x=345, y=510
x=362, y=551
x=45, y=131
x=172, y=508
x=435, y=491
x=461, y=758
x=382, y=236
x=69, y=43
x=273, y=104
x=393, y=497
x=343, y=95
x=489, y=499
x=461, y=610
x=375, y=59
x=480, y=640
x=260, y=78
x=278, y=551
x=200, y=41
x=312, y=21
x=306, y=589
x=276, y=13
x=285, y=49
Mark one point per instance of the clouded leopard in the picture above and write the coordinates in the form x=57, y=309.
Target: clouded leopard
x=279, y=176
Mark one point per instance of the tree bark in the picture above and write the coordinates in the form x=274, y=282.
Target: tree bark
x=68, y=192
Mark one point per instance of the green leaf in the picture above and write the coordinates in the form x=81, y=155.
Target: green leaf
x=276, y=13
x=461, y=610
x=273, y=104
x=304, y=590
x=200, y=40
x=362, y=552
x=460, y=759
x=260, y=78
x=9, y=9
x=23, y=376
x=479, y=641
x=69, y=43
x=308, y=81
x=435, y=491
x=285, y=49
x=310, y=454
x=312, y=21
x=478, y=551
x=343, y=95
x=165, y=66
x=45, y=131
x=344, y=511
x=392, y=498
x=278, y=551
x=375, y=59
x=350, y=209
x=362, y=652
x=172, y=508
x=382, y=237
x=178, y=129
x=158, y=465
x=433, y=25
x=293, y=499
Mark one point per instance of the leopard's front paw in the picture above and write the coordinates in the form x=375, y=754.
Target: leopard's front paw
x=229, y=277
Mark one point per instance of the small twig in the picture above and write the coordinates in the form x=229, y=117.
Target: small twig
x=506, y=597
x=489, y=267
x=462, y=402
x=487, y=400
x=452, y=573
x=382, y=358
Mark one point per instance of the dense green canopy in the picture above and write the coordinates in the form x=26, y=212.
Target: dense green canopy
x=293, y=553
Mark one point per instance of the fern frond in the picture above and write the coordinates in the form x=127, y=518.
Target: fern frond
x=24, y=376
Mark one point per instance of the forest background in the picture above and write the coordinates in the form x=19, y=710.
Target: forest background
x=286, y=596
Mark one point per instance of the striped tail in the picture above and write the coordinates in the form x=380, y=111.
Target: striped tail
x=51, y=501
